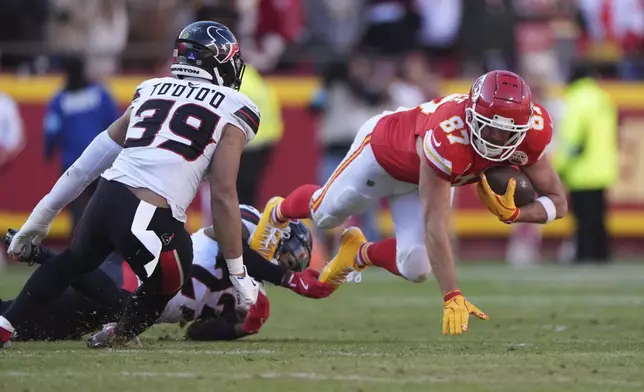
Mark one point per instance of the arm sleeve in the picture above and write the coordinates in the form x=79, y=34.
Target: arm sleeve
x=261, y=269
x=97, y=157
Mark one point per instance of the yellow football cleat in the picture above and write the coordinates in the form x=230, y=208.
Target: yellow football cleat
x=336, y=270
x=268, y=233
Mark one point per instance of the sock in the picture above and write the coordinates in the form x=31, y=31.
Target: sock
x=297, y=204
x=381, y=254
x=6, y=330
x=4, y=323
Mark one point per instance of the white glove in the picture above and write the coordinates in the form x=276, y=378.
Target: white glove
x=246, y=287
x=33, y=231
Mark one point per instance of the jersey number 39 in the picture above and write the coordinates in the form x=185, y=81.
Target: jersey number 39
x=189, y=121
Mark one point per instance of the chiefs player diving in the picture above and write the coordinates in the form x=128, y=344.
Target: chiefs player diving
x=414, y=158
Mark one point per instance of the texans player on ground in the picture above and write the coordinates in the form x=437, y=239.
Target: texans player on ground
x=208, y=300
x=413, y=157
x=152, y=160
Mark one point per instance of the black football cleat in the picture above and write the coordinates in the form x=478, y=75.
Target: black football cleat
x=107, y=338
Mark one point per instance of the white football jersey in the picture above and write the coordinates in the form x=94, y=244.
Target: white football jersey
x=209, y=289
x=174, y=129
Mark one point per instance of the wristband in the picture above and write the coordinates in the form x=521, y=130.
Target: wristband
x=549, y=206
x=286, y=280
x=236, y=265
x=514, y=216
x=451, y=295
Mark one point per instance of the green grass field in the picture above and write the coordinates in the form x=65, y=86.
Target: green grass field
x=550, y=329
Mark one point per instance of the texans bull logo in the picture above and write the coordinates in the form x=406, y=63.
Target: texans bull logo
x=167, y=238
x=221, y=44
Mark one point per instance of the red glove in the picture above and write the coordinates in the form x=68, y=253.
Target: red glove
x=307, y=284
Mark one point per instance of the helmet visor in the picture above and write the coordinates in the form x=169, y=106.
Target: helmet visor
x=293, y=254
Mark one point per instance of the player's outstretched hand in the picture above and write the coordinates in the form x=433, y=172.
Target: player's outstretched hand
x=30, y=233
x=500, y=205
x=456, y=313
x=246, y=287
x=29, y=255
x=306, y=284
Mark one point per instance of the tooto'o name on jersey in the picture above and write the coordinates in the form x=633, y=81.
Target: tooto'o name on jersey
x=198, y=92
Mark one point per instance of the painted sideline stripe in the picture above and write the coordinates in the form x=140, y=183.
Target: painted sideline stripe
x=313, y=376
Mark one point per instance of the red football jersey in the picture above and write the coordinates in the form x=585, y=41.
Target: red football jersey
x=446, y=142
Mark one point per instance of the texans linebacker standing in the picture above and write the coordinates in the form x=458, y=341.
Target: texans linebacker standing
x=414, y=157
x=152, y=161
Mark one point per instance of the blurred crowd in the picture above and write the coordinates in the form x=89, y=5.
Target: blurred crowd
x=457, y=37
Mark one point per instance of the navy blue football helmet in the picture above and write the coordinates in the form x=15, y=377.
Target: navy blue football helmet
x=210, y=51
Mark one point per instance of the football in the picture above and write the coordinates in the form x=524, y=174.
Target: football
x=498, y=177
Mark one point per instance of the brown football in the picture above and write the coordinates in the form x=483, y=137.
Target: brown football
x=498, y=177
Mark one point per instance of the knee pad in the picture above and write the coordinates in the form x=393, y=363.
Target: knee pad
x=413, y=264
x=333, y=212
x=327, y=221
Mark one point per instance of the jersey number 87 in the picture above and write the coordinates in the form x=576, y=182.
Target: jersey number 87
x=454, y=127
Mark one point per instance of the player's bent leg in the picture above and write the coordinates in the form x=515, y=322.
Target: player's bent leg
x=357, y=182
x=159, y=251
x=413, y=264
x=379, y=254
x=412, y=260
x=334, y=209
x=148, y=301
x=276, y=215
x=69, y=317
x=89, y=249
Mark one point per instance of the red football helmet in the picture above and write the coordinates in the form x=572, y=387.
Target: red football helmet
x=502, y=101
